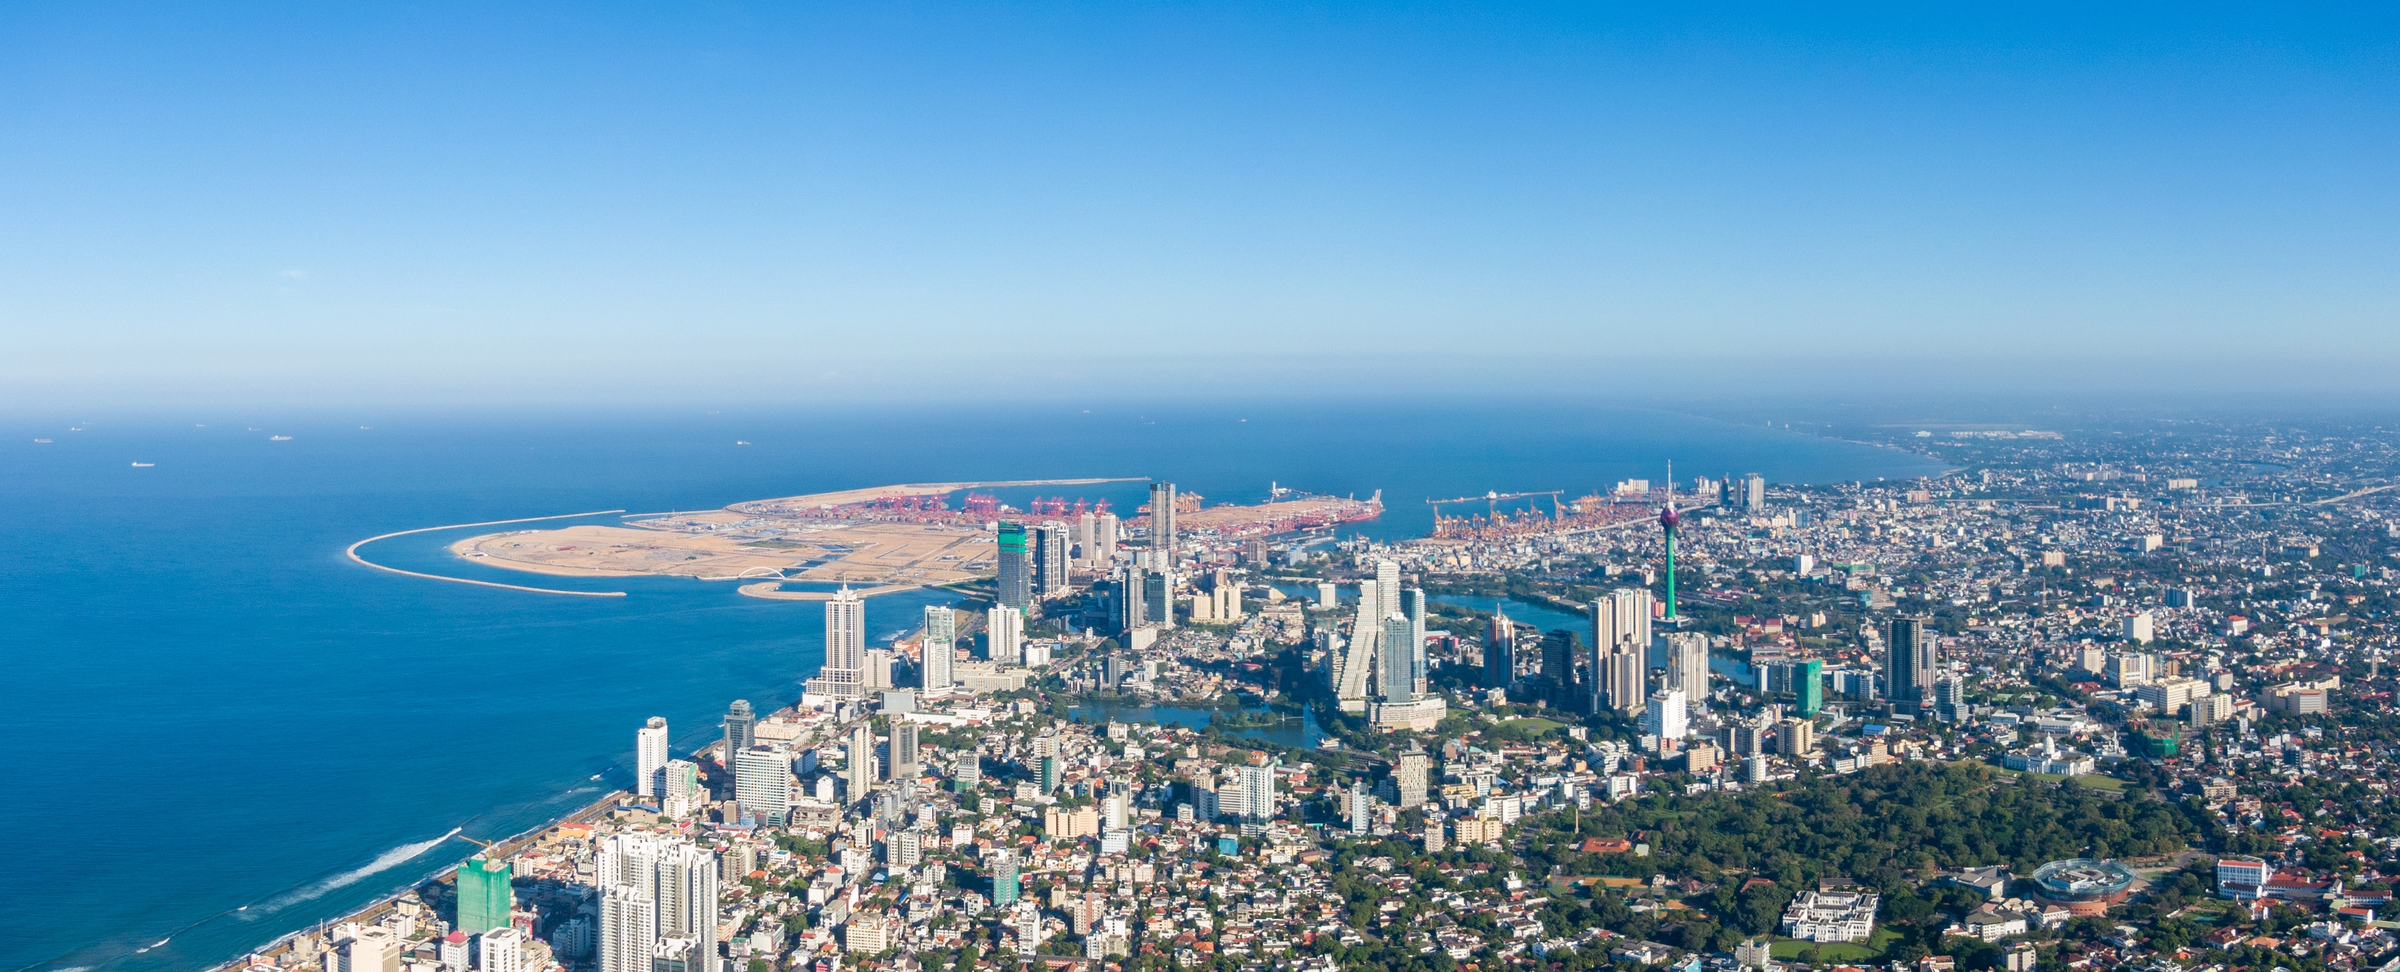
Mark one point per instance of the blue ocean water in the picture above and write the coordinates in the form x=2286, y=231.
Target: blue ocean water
x=233, y=731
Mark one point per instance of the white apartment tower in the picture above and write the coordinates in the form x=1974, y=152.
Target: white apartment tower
x=845, y=672
x=650, y=758
x=653, y=888
x=1004, y=632
x=936, y=653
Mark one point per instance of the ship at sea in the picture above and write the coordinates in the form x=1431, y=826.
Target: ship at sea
x=279, y=438
x=144, y=465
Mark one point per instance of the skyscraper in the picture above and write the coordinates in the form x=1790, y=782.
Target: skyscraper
x=937, y=651
x=1558, y=666
x=1808, y=686
x=650, y=758
x=1158, y=597
x=1500, y=652
x=845, y=673
x=1398, y=669
x=653, y=888
x=1684, y=655
x=1621, y=618
x=1627, y=675
x=1162, y=524
x=1258, y=792
x=1387, y=588
x=1106, y=536
x=741, y=728
x=1128, y=599
x=762, y=781
x=1669, y=715
x=1412, y=604
x=1910, y=658
x=1016, y=573
x=861, y=768
x=1050, y=559
x=1004, y=635
x=485, y=897
x=1353, y=681
x=1754, y=492
x=904, y=750
x=1087, y=539
x=1409, y=776
x=1361, y=807
x=1004, y=877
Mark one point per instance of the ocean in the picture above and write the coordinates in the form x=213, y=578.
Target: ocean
x=251, y=734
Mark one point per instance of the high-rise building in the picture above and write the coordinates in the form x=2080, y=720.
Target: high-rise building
x=1162, y=525
x=502, y=950
x=762, y=781
x=1361, y=807
x=1016, y=568
x=1127, y=599
x=1625, y=678
x=682, y=794
x=1004, y=877
x=1795, y=737
x=1754, y=492
x=1622, y=617
x=1387, y=588
x=650, y=758
x=1412, y=604
x=1396, y=683
x=1500, y=652
x=937, y=650
x=1910, y=658
x=1668, y=716
x=485, y=897
x=1353, y=680
x=1087, y=539
x=1808, y=686
x=1048, y=772
x=1004, y=635
x=844, y=675
x=861, y=764
x=2139, y=628
x=1409, y=777
x=741, y=731
x=905, y=759
x=1106, y=536
x=1158, y=597
x=1685, y=654
x=1558, y=666
x=1049, y=559
x=1258, y=791
x=653, y=888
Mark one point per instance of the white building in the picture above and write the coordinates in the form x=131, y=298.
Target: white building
x=1831, y=916
x=2138, y=628
x=503, y=950
x=844, y=676
x=653, y=888
x=650, y=758
x=1004, y=634
x=763, y=781
x=937, y=651
x=1668, y=716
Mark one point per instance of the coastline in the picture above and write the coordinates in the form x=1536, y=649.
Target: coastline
x=367, y=913
x=352, y=553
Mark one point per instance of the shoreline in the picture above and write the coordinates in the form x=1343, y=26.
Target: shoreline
x=364, y=914
x=352, y=553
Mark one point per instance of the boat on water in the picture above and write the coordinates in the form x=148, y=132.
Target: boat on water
x=279, y=438
x=144, y=465
x=41, y=442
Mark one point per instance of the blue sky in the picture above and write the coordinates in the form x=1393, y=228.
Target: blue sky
x=294, y=203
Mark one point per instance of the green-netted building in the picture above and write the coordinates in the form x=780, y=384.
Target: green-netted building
x=484, y=895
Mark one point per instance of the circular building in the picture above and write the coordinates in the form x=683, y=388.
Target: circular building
x=2083, y=886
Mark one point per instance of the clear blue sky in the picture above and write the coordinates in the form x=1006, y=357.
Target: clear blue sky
x=289, y=202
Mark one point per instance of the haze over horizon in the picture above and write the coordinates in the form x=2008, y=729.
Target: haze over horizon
x=262, y=205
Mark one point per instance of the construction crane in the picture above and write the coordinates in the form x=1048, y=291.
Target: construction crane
x=1491, y=501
